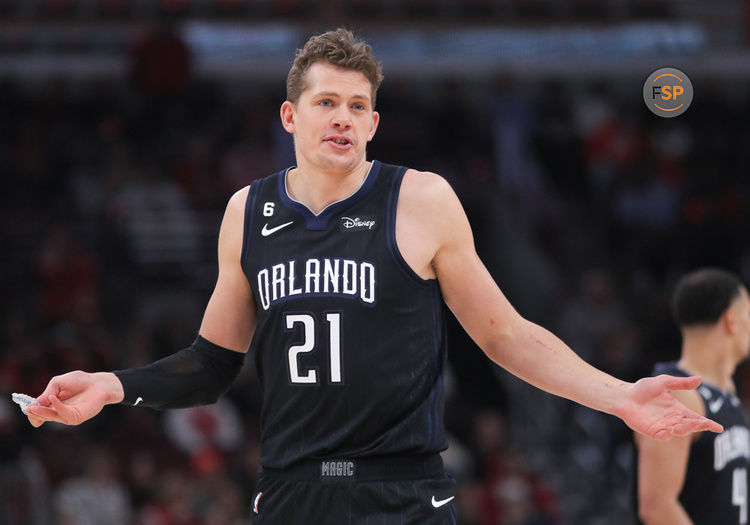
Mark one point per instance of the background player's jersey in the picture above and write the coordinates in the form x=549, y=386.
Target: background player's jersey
x=716, y=483
x=349, y=343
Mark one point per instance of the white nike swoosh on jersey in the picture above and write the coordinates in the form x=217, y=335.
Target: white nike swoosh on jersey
x=716, y=404
x=266, y=231
x=436, y=503
x=138, y=401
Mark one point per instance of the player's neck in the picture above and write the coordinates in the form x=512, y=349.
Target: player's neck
x=316, y=189
x=710, y=359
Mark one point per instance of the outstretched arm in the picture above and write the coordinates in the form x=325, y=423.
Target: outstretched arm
x=228, y=322
x=520, y=346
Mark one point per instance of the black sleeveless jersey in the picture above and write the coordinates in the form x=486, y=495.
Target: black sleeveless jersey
x=716, y=482
x=349, y=342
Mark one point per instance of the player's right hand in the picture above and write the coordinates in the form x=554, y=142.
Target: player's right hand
x=75, y=397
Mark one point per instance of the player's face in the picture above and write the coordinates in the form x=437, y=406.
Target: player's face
x=333, y=119
x=741, y=306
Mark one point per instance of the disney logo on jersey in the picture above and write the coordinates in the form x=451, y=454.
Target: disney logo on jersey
x=357, y=224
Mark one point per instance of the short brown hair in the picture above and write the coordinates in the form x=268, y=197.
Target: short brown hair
x=338, y=48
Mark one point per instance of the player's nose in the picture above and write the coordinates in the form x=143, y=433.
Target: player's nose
x=341, y=121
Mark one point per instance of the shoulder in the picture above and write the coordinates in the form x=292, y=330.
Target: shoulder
x=234, y=214
x=426, y=190
x=429, y=207
x=237, y=202
x=424, y=183
x=232, y=227
x=239, y=197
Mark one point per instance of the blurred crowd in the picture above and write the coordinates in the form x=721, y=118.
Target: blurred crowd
x=307, y=9
x=585, y=207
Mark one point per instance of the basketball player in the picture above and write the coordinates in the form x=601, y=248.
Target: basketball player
x=332, y=273
x=702, y=478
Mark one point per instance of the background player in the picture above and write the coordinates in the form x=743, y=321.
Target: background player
x=702, y=478
x=330, y=112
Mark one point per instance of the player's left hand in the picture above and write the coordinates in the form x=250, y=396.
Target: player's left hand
x=650, y=409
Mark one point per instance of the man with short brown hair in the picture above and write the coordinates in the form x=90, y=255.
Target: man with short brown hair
x=332, y=273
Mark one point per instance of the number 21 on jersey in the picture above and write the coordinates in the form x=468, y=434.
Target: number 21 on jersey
x=308, y=345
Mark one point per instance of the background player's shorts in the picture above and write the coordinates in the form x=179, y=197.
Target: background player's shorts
x=352, y=497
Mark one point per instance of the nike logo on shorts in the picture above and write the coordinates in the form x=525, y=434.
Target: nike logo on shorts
x=266, y=231
x=137, y=401
x=436, y=503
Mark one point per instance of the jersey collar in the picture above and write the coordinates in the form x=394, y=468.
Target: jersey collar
x=320, y=221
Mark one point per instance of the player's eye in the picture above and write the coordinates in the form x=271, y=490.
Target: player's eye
x=326, y=102
x=358, y=106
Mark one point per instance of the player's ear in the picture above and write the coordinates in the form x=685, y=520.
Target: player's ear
x=374, y=126
x=287, y=116
x=729, y=319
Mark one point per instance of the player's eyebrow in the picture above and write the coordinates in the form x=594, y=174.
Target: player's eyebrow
x=333, y=94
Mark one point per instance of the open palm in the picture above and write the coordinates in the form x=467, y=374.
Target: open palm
x=650, y=409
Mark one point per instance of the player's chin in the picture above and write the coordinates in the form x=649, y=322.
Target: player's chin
x=341, y=162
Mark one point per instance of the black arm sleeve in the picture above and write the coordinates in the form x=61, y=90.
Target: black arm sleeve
x=196, y=375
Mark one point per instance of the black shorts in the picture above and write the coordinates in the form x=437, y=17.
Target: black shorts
x=394, y=491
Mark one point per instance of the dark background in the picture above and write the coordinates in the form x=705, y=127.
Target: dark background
x=126, y=126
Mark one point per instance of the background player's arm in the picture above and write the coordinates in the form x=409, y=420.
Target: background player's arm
x=661, y=473
x=229, y=322
x=434, y=221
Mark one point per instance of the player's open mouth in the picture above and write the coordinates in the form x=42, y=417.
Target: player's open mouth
x=339, y=142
